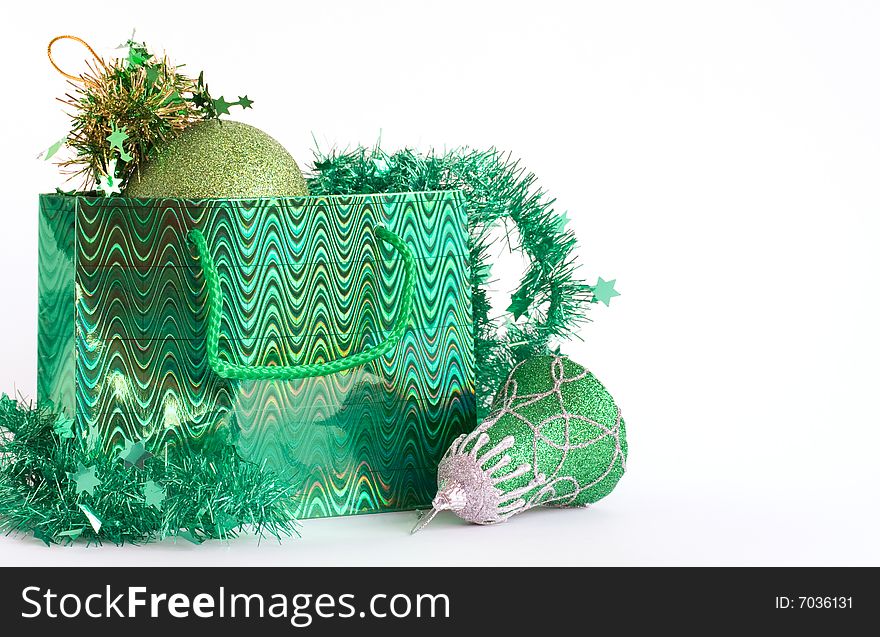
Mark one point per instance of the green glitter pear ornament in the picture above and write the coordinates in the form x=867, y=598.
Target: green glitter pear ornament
x=219, y=159
x=554, y=437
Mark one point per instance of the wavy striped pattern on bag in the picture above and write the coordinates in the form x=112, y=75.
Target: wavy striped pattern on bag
x=303, y=281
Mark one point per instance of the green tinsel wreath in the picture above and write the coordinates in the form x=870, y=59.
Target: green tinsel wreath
x=550, y=302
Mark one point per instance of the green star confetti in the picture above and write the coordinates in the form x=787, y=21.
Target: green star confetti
x=189, y=536
x=42, y=536
x=221, y=106
x=244, y=102
x=50, y=152
x=154, y=494
x=152, y=73
x=560, y=223
x=72, y=533
x=134, y=454
x=519, y=303
x=92, y=517
x=85, y=479
x=117, y=137
x=63, y=426
x=109, y=185
x=604, y=291
x=137, y=54
x=124, y=156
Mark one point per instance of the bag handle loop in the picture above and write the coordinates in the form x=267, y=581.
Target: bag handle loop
x=233, y=371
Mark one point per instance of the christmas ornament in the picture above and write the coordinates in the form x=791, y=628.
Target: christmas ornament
x=555, y=437
x=215, y=159
x=550, y=303
x=122, y=110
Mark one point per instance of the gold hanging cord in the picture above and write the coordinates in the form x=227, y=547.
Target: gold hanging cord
x=74, y=78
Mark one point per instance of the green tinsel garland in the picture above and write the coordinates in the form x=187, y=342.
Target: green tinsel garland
x=197, y=494
x=550, y=302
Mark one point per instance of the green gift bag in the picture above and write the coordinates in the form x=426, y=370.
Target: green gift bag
x=329, y=337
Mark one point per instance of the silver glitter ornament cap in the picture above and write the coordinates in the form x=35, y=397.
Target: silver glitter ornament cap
x=451, y=497
x=468, y=477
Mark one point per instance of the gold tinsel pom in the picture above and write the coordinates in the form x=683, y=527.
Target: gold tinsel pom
x=148, y=102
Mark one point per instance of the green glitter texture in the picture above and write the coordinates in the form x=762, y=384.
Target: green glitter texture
x=565, y=425
x=219, y=159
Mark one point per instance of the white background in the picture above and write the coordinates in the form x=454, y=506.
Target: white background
x=720, y=159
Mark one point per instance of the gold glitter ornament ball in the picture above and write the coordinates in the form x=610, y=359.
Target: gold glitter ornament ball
x=219, y=159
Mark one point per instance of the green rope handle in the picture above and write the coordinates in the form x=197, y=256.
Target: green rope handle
x=228, y=370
